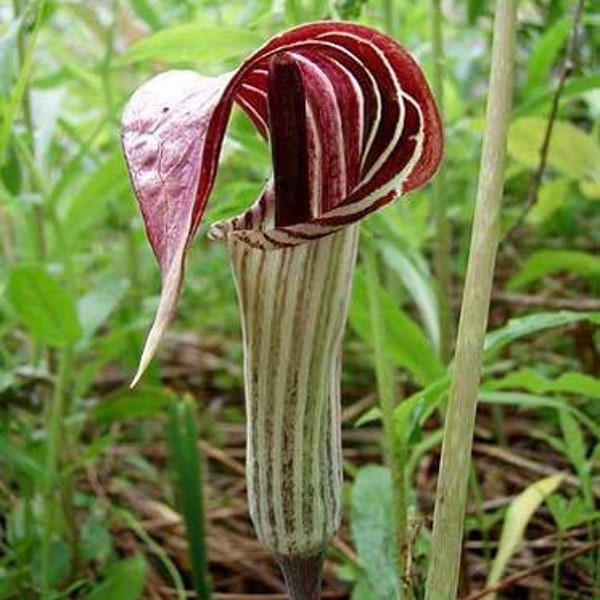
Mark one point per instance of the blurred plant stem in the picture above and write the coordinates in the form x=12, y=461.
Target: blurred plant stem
x=20, y=95
x=394, y=445
x=388, y=16
x=443, y=241
x=568, y=64
x=454, y=471
x=18, y=11
x=58, y=409
x=106, y=65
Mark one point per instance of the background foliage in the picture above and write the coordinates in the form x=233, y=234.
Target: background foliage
x=82, y=459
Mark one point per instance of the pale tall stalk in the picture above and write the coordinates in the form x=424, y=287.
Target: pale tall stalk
x=442, y=580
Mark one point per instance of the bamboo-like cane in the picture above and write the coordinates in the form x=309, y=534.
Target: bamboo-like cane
x=442, y=580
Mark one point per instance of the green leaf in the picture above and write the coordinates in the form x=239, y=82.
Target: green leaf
x=590, y=189
x=8, y=57
x=11, y=173
x=574, y=382
x=570, y=512
x=524, y=326
x=193, y=42
x=545, y=262
x=528, y=379
x=43, y=305
x=362, y=590
x=95, y=308
x=372, y=530
x=415, y=410
x=96, y=541
x=20, y=460
x=575, y=446
x=574, y=442
x=475, y=9
x=143, y=402
x=531, y=401
x=519, y=513
x=418, y=284
x=540, y=100
x=551, y=198
x=87, y=207
x=407, y=345
x=124, y=581
x=145, y=11
x=572, y=151
x=60, y=553
x=543, y=56
x=419, y=406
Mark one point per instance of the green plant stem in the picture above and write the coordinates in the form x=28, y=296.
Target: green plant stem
x=21, y=95
x=20, y=87
x=388, y=16
x=565, y=72
x=449, y=514
x=106, y=65
x=443, y=239
x=53, y=460
x=396, y=454
x=22, y=51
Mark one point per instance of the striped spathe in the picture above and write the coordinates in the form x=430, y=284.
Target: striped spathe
x=294, y=303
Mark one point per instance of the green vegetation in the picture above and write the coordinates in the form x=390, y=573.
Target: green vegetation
x=99, y=483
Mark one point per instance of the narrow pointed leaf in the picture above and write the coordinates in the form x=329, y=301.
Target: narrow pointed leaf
x=44, y=306
x=517, y=517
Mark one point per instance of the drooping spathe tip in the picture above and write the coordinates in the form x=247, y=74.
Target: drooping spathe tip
x=147, y=354
x=302, y=575
x=164, y=312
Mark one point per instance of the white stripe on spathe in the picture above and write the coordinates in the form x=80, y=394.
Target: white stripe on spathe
x=368, y=139
x=399, y=97
x=294, y=303
x=332, y=101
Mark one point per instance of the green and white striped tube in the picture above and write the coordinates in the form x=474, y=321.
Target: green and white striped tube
x=294, y=304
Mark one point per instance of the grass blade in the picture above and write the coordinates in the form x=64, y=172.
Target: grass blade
x=182, y=439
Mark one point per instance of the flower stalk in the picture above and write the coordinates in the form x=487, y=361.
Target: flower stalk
x=394, y=445
x=442, y=580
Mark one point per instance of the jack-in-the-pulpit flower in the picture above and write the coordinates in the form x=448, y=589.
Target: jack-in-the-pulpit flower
x=352, y=125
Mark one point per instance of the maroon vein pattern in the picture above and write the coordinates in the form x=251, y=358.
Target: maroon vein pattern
x=373, y=132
